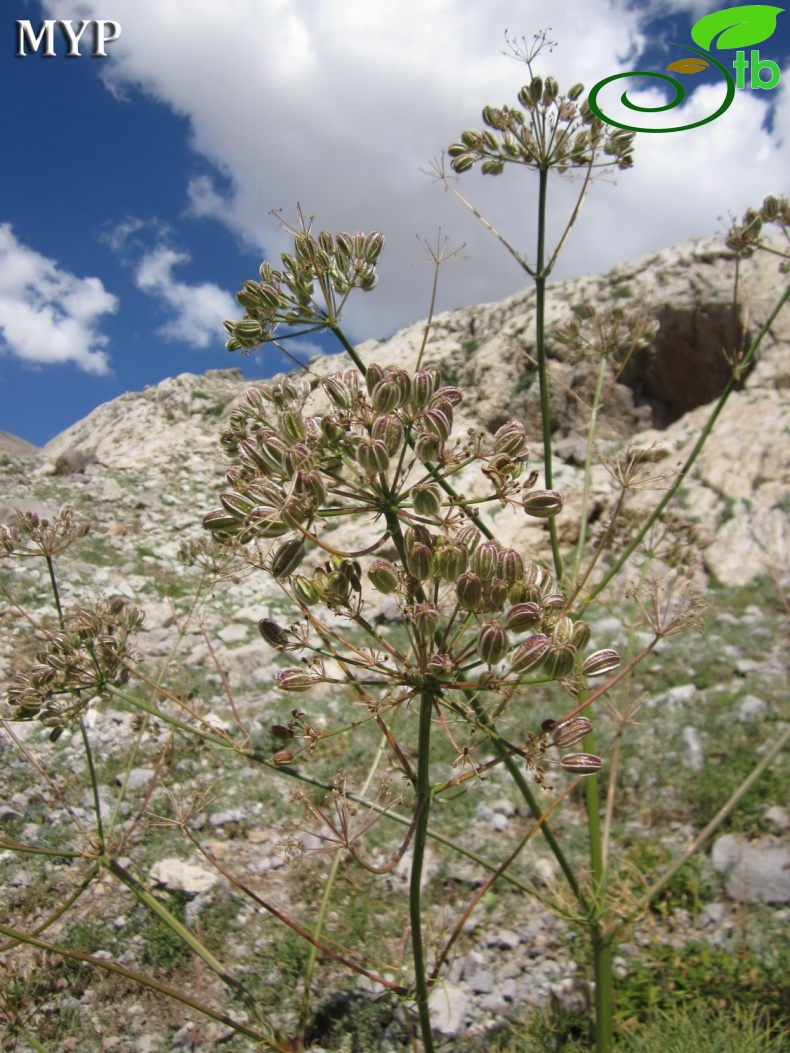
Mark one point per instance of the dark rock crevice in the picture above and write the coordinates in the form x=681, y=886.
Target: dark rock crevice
x=686, y=367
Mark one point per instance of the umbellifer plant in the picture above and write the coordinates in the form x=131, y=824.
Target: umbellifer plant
x=484, y=628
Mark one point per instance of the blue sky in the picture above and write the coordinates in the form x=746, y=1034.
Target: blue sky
x=137, y=188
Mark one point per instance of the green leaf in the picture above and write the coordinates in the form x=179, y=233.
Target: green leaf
x=737, y=27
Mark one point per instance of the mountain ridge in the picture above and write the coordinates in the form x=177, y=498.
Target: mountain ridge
x=740, y=484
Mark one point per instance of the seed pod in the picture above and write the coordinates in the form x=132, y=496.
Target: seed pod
x=427, y=499
x=237, y=475
x=559, y=661
x=553, y=601
x=575, y=92
x=523, y=616
x=294, y=680
x=600, y=663
x=441, y=666
x=542, y=504
x=266, y=523
x=469, y=590
x=510, y=566
x=248, y=332
x=221, y=519
x=373, y=456
x=272, y=450
x=236, y=505
x=281, y=731
x=484, y=560
x=529, y=654
x=426, y=619
x=438, y=424
x=495, y=594
x=374, y=243
x=462, y=162
x=419, y=562
x=332, y=431
x=581, y=763
x=511, y=439
x=282, y=757
x=469, y=536
x=519, y=593
x=383, y=576
x=310, y=485
x=427, y=447
x=449, y=394
x=293, y=426
x=571, y=731
x=390, y=430
x=417, y=535
x=296, y=458
x=536, y=89
x=423, y=386
x=550, y=90
x=492, y=643
x=373, y=375
x=337, y=391
x=273, y=634
x=533, y=575
x=581, y=635
x=288, y=557
x=492, y=166
x=451, y=560
x=386, y=396
x=563, y=630
x=770, y=209
x=250, y=455
x=403, y=381
x=305, y=591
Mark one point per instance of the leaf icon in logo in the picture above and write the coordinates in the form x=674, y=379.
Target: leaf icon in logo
x=736, y=27
x=688, y=65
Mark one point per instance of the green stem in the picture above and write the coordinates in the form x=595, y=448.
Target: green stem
x=525, y=790
x=541, y=274
x=604, y=990
x=180, y=930
x=602, y=928
x=138, y=703
x=596, y=408
x=54, y=584
x=423, y=804
x=94, y=784
x=34, y=1043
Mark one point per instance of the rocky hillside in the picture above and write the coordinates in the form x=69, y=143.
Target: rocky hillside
x=157, y=449
x=146, y=467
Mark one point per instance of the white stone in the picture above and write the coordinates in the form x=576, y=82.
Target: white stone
x=178, y=876
x=447, y=1007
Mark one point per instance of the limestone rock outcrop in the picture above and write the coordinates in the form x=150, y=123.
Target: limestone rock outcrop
x=161, y=443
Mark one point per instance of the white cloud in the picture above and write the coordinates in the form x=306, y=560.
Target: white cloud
x=339, y=105
x=48, y=315
x=198, y=310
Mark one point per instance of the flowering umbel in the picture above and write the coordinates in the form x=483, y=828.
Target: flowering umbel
x=379, y=442
x=547, y=130
x=77, y=663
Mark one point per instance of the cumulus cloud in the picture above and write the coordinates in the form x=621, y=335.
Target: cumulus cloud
x=48, y=315
x=197, y=310
x=341, y=106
